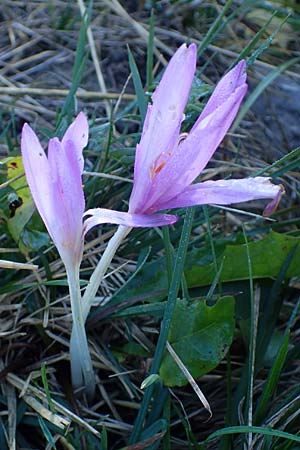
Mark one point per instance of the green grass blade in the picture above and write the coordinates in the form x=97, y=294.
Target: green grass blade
x=46, y=432
x=138, y=86
x=272, y=381
x=46, y=387
x=104, y=443
x=215, y=28
x=169, y=252
x=254, y=41
x=165, y=326
x=293, y=154
x=210, y=236
x=267, y=42
x=215, y=282
x=255, y=430
x=275, y=303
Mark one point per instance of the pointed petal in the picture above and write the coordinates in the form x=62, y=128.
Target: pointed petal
x=69, y=199
x=226, y=192
x=78, y=133
x=192, y=155
x=99, y=216
x=163, y=120
x=226, y=86
x=37, y=172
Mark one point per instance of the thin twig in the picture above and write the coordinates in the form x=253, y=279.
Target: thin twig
x=14, y=90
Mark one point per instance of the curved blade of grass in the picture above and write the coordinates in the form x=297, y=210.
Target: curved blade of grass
x=267, y=42
x=293, y=154
x=46, y=387
x=254, y=41
x=46, y=432
x=271, y=381
x=255, y=430
x=275, y=299
x=138, y=86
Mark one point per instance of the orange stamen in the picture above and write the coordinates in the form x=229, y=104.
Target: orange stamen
x=158, y=168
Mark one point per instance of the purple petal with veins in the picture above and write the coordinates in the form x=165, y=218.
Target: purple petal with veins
x=37, y=170
x=226, y=192
x=162, y=123
x=78, y=134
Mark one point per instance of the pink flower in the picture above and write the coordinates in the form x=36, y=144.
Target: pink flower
x=167, y=163
x=56, y=186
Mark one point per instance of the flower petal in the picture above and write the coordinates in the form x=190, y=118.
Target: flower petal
x=226, y=192
x=99, y=216
x=192, y=155
x=78, y=133
x=163, y=121
x=69, y=199
x=226, y=86
x=37, y=173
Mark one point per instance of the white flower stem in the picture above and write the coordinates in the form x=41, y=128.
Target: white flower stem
x=81, y=363
x=99, y=272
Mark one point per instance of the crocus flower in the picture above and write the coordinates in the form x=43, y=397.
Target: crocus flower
x=56, y=186
x=167, y=162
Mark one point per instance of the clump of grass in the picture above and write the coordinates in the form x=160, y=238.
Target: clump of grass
x=50, y=69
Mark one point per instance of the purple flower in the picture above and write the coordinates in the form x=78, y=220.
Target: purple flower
x=56, y=186
x=167, y=162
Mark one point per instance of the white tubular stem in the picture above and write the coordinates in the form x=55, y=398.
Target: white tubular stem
x=99, y=272
x=81, y=363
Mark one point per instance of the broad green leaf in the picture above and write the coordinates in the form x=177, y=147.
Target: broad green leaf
x=200, y=336
x=267, y=257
